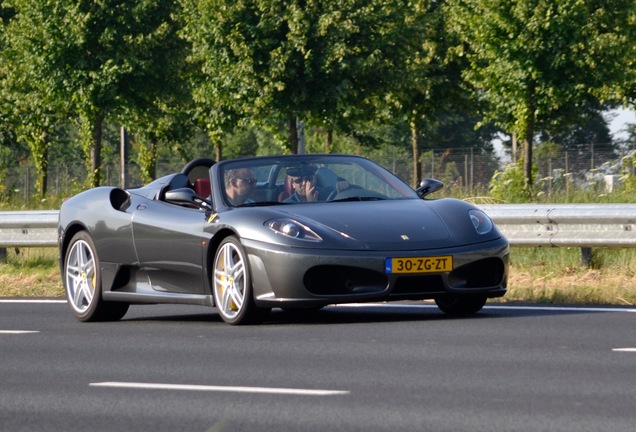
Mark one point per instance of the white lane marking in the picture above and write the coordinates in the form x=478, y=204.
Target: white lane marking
x=565, y=309
x=399, y=305
x=31, y=301
x=18, y=331
x=511, y=307
x=267, y=390
x=624, y=349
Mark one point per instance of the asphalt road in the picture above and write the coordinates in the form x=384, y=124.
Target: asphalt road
x=363, y=368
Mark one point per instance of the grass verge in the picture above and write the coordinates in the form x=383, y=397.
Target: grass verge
x=556, y=275
x=31, y=272
x=537, y=275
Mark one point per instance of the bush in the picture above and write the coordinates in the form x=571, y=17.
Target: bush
x=510, y=185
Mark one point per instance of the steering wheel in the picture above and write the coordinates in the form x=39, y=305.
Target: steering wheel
x=349, y=192
x=198, y=168
x=332, y=194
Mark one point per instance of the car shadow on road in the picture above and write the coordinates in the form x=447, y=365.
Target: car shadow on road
x=327, y=315
x=370, y=313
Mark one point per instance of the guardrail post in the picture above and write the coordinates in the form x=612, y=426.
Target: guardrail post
x=3, y=255
x=587, y=256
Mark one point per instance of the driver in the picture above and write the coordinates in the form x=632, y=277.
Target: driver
x=239, y=185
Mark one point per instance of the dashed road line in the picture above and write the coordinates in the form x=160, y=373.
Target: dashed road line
x=235, y=389
x=18, y=331
x=28, y=301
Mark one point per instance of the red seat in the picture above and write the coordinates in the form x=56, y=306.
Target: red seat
x=287, y=190
x=202, y=187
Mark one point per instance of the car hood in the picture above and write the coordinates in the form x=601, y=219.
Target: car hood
x=374, y=225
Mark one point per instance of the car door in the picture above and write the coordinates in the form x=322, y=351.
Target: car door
x=169, y=243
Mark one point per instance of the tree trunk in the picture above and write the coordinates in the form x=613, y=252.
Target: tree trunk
x=39, y=146
x=300, y=130
x=152, y=163
x=415, y=142
x=44, y=170
x=95, y=175
x=527, y=155
x=328, y=141
x=529, y=138
x=292, y=137
x=218, y=150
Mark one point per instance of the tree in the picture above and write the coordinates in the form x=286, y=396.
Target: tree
x=426, y=88
x=93, y=59
x=28, y=102
x=161, y=108
x=321, y=62
x=536, y=60
x=589, y=134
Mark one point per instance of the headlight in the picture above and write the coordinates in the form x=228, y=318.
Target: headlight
x=291, y=228
x=481, y=222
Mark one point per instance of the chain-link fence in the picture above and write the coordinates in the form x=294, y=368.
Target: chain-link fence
x=465, y=172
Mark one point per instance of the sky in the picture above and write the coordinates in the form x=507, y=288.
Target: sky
x=618, y=124
x=618, y=120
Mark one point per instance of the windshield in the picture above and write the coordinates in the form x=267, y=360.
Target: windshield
x=300, y=179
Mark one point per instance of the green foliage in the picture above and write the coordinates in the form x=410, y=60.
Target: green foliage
x=374, y=77
x=321, y=62
x=147, y=158
x=536, y=61
x=89, y=61
x=509, y=185
x=628, y=170
x=242, y=143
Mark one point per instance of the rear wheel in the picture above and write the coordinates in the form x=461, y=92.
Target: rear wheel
x=460, y=305
x=82, y=283
x=232, y=285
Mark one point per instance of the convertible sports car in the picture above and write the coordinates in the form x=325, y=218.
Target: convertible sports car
x=292, y=232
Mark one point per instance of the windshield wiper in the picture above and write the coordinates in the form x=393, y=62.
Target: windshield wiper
x=359, y=198
x=261, y=204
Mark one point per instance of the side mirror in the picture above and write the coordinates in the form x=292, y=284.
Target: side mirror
x=187, y=196
x=428, y=186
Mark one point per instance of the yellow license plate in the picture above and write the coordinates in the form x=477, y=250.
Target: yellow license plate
x=437, y=264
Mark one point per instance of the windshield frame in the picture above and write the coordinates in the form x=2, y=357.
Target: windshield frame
x=271, y=171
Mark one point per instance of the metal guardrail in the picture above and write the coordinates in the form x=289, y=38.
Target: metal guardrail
x=566, y=225
x=28, y=228
x=525, y=225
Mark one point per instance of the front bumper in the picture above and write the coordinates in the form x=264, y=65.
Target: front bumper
x=294, y=277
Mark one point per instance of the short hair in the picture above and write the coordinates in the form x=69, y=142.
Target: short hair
x=232, y=173
x=229, y=175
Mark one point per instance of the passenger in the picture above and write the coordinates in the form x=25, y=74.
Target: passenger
x=239, y=185
x=303, y=182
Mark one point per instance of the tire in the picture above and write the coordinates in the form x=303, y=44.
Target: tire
x=460, y=304
x=232, y=285
x=83, y=284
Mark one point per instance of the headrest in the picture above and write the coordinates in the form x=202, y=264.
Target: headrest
x=301, y=170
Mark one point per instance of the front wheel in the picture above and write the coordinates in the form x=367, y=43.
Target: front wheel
x=460, y=304
x=232, y=285
x=82, y=283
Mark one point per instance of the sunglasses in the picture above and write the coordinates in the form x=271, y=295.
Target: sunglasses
x=299, y=180
x=249, y=180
